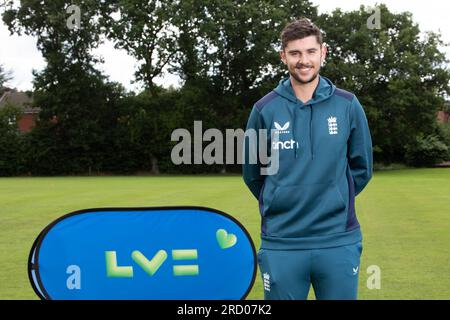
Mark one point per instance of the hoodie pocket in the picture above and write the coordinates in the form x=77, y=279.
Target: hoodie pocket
x=305, y=210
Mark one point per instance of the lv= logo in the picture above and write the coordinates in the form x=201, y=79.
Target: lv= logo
x=224, y=239
x=151, y=266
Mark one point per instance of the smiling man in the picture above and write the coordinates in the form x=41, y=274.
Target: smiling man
x=310, y=234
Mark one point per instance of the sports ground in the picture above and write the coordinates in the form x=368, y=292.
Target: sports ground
x=404, y=216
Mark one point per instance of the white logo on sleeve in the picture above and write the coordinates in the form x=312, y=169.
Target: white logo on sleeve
x=281, y=129
x=332, y=125
x=355, y=270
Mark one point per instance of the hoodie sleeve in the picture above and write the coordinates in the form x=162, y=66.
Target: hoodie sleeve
x=359, y=154
x=252, y=169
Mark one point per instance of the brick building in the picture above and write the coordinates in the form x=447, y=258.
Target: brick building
x=23, y=101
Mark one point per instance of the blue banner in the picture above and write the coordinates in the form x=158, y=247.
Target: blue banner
x=173, y=253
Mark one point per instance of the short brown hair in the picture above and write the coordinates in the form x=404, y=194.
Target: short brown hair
x=300, y=29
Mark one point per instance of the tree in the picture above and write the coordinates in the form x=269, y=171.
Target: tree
x=144, y=30
x=228, y=55
x=234, y=45
x=399, y=77
x=11, y=142
x=75, y=99
x=5, y=76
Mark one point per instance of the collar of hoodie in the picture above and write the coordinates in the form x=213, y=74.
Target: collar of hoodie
x=324, y=90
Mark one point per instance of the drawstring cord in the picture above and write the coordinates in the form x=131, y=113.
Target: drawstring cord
x=293, y=129
x=310, y=132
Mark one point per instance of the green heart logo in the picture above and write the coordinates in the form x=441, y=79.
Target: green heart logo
x=224, y=239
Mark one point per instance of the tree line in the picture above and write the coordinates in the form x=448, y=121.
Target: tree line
x=226, y=53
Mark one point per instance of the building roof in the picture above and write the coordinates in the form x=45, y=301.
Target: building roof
x=18, y=99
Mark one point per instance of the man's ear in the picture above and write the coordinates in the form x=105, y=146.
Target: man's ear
x=324, y=52
x=283, y=56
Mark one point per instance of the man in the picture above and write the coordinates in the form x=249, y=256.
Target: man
x=309, y=230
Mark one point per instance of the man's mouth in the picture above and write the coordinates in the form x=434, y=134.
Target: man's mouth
x=304, y=68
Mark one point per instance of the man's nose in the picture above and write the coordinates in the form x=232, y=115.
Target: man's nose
x=301, y=60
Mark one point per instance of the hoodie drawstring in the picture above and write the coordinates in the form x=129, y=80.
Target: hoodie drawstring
x=310, y=132
x=293, y=129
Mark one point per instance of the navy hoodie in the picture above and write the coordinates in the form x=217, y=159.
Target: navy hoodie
x=325, y=160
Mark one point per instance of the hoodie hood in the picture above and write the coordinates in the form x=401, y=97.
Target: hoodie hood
x=324, y=90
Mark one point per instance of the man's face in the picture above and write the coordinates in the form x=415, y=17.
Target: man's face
x=303, y=58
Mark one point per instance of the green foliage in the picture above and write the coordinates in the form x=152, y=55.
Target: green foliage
x=144, y=29
x=443, y=131
x=78, y=104
x=226, y=53
x=233, y=46
x=11, y=142
x=399, y=78
x=5, y=76
x=426, y=151
x=446, y=107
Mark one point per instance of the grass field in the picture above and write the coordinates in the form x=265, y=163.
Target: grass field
x=404, y=216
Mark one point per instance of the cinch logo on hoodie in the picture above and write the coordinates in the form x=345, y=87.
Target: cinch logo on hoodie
x=310, y=202
x=283, y=145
